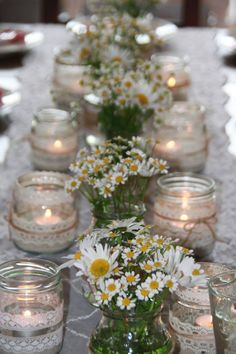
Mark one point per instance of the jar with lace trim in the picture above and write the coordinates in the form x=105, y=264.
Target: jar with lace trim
x=31, y=307
x=182, y=139
x=54, y=139
x=176, y=74
x=185, y=209
x=43, y=217
x=190, y=316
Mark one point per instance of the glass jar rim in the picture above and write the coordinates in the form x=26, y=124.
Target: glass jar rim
x=52, y=115
x=64, y=56
x=216, y=289
x=170, y=60
x=47, y=272
x=185, y=180
x=41, y=177
x=190, y=107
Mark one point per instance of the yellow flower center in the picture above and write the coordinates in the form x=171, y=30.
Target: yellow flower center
x=129, y=254
x=111, y=287
x=157, y=264
x=116, y=270
x=147, y=266
x=104, y=296
x=106, y=160
x=134, y=168
x=73, y=184
x=154, y=284
x=130, y=278
x=97, y=168
x=126, y=302
x=144, y=292
x=144, y=248
x=128, y=84
x=143, y=99
x=160, y=241
x=139, y=241
x=127, y=161
x=122, y=101
x=77, y=255
x=119, y=179
x=169, y=284
x=196, y=272
x=84, y=171
x=81, y=178
x=107, y=190
x=99, y=268
x=117, y=59
x=84, y=53
x=162, y=167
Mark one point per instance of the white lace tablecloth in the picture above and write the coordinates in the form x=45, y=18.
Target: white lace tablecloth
x=34, y=75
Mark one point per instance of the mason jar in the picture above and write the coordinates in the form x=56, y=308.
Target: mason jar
x=175, y=72
x=54, y=139
x=43, y=217
x=31, y=307
x=69, y=78
x=190, y=315
x=182, y=138
x=185, y=209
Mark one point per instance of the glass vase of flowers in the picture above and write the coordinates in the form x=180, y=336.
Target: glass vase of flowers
x=129, y=273
x=128, y=98
x=114, y=177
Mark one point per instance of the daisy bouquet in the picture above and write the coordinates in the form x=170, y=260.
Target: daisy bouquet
x=129, y=273
x=115, y=175
x=128, y=98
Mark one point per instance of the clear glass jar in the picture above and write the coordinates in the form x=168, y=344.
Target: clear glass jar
x=185, y=209
x=125, y=333
x=190, y=316
x=69, y=80
x=182, y=139
x=43, y=217
x=222, y=290
x=31, y=307
x=176, y=74
x=54, y=139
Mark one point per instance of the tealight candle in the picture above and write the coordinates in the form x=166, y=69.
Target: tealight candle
x=182, y=138
x=190, y=315
x=68, y=81
x=185, y=209
x=43, y=216
x=54, y=139
x=31, y=307
x=176, y=74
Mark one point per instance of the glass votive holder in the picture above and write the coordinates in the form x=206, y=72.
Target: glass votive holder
x=175, y=73
x=222, y=290
x=54, y=139
x=69, y=79
x=182, y=139
x=190, y=316
x=43, y=216
x=31, y=307
x=185, y=209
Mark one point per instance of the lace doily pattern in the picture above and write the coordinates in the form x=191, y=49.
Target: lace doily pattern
x=191, y=345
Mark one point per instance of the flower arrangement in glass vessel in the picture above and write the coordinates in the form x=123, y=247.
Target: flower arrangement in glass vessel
x=128, y=98
x=114, y=177
x=129, y=272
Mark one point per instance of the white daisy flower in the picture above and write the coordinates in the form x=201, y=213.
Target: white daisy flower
x=112, y=286
x=103, y=297
x=119, y=178
x=170, y=282
x=190, y=273
x=163, y=166
x=143, y=293
x=154, y=283
x=98, y=262
x=131, y=225
x=148, y=266
x=117, y=55
x=129, y=255
x=125, y=302
x=106, y=191
x=72, y=185
x=130, y=278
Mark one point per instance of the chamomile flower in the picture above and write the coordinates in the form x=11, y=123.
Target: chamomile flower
x=112, y=286
x=130, y=278
x=125, y=302
x=143, y=293
x=72, y=185
x=129, y=255
x=117, y=55
x=119, y=178
x=163, y=166
x=147, y=266
x=155, y=283
x=106, y=191
x=170, y=282
x=103, y=297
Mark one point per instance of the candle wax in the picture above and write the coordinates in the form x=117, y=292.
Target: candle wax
x=204, y=321
x=48, y=218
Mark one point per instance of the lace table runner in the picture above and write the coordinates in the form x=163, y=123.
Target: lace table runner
x=208, y=80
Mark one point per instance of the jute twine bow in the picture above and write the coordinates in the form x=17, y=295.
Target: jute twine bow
x=191, y=224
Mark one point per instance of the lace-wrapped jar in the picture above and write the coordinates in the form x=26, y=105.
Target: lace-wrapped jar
x=182, y=139
x=43, y=217
x=54, y=139
x=68, y=81
x=185, y=209
x=31, y=307
x=176, y=74
x=190, y=316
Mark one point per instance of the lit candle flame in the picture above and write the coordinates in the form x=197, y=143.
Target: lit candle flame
x=184, y=217
x=48, y=213
x=171, y=144
x=58, y=144
x=171, y=82
x=27, y=313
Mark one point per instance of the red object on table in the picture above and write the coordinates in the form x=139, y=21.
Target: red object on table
x=11, y=36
